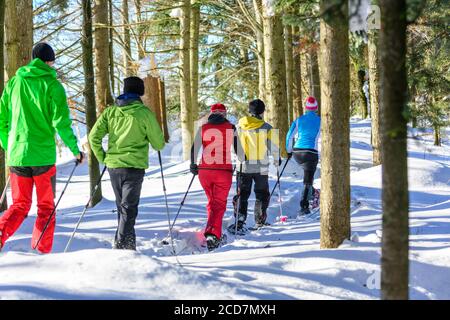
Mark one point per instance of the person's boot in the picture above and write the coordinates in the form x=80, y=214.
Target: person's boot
x=129, y=243
x=212, y=242
x=241, y=227
x=304, y=203
x=260, y=215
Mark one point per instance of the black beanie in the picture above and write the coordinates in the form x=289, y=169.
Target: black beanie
x=134, y=85
x=256, y=107
x=44, y=52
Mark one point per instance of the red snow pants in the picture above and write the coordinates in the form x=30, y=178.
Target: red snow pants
x=217, y=184
x=22, y=180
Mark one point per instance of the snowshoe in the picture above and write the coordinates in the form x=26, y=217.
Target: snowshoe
x=241, y=228
x=128, y=243
x=212, y=242
x=259, y=226
x=304, y=211
x=315, y=201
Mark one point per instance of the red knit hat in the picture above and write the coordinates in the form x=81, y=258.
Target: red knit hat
x=311, y=104
x=218, y=107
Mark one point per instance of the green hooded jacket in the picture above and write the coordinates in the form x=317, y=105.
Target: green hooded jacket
x=131, y=127
x=33, y=108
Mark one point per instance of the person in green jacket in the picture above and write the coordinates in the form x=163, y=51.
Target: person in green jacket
x=131, y=127
x=33, y=108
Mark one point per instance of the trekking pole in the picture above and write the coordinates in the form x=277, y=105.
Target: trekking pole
x=167, y=204
x=2, y=199
x=238, y=204
x=278, y=178
x=182, y=202
x=85, y=209
x=280, y=201
x=56, y=206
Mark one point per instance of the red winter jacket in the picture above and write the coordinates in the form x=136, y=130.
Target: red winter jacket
x=217, y=137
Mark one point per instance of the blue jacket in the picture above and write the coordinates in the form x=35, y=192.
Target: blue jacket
x=304, y=132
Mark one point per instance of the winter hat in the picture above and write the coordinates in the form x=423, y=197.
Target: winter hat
x=44, y=52
x=218, y=107
x=133, y=85
x=256, y=107
x=311, y=104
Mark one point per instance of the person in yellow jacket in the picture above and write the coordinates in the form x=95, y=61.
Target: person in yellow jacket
x=259, y=141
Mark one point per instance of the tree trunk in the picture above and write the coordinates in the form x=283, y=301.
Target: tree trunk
x=315, y=76
x=195, y=30
x=128, y=70
x=297, y=94
x=111, y=45
x=374, y=90
x=289, y=57
x=362, y=94
x=275, y=69
x=89, y=95
x=141, y=28
x=19, y=35
x=437, y=135
x=393, y=89
x=187, y=124
x=306, y=79
x=3, y=169
x=101, y=34
x=260, y=50
x=335, y=153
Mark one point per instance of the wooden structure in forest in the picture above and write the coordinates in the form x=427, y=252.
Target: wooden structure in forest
x=155, y=99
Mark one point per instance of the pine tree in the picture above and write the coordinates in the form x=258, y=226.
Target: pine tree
x=89, y=94
x=275, y=69
x=335, y=114
x=374, y=88
x=195, y=31
x=297, y=93
x=4, y=204
x=187, y=124
x=393, y=93
x=19, y=35
x=128, y=71
x=101, y=49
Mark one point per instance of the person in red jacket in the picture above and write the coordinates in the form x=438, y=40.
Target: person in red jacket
x=217, y=137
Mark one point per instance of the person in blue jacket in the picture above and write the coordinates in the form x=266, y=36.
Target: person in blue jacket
x=301, y=142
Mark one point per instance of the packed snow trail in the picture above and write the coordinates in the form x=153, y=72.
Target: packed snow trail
x=280, y=261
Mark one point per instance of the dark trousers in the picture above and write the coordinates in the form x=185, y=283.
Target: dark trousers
x=262, y=195
x=127, y=185
x=308, y=159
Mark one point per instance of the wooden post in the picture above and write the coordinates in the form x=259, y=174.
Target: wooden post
x=154, y=98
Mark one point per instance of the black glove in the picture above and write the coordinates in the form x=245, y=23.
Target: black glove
x=194, y=169
x=280, y=161
x=289, y=155
x=81, y=158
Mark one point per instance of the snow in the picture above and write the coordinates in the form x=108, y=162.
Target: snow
x=281, y=261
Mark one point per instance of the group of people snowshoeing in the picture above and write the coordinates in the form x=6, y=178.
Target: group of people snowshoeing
x=33, y=108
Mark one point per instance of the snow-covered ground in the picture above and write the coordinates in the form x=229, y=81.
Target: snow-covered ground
x=282, y=261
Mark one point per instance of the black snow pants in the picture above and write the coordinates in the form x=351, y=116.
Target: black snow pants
x=262, y=195
x=127, y=185
x=308, y=160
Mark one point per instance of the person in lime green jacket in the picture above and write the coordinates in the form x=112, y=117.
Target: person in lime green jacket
x=33, y=108
x=131, y=127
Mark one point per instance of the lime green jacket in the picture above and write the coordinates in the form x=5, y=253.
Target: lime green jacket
x=131, y=126
x=33, y=108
